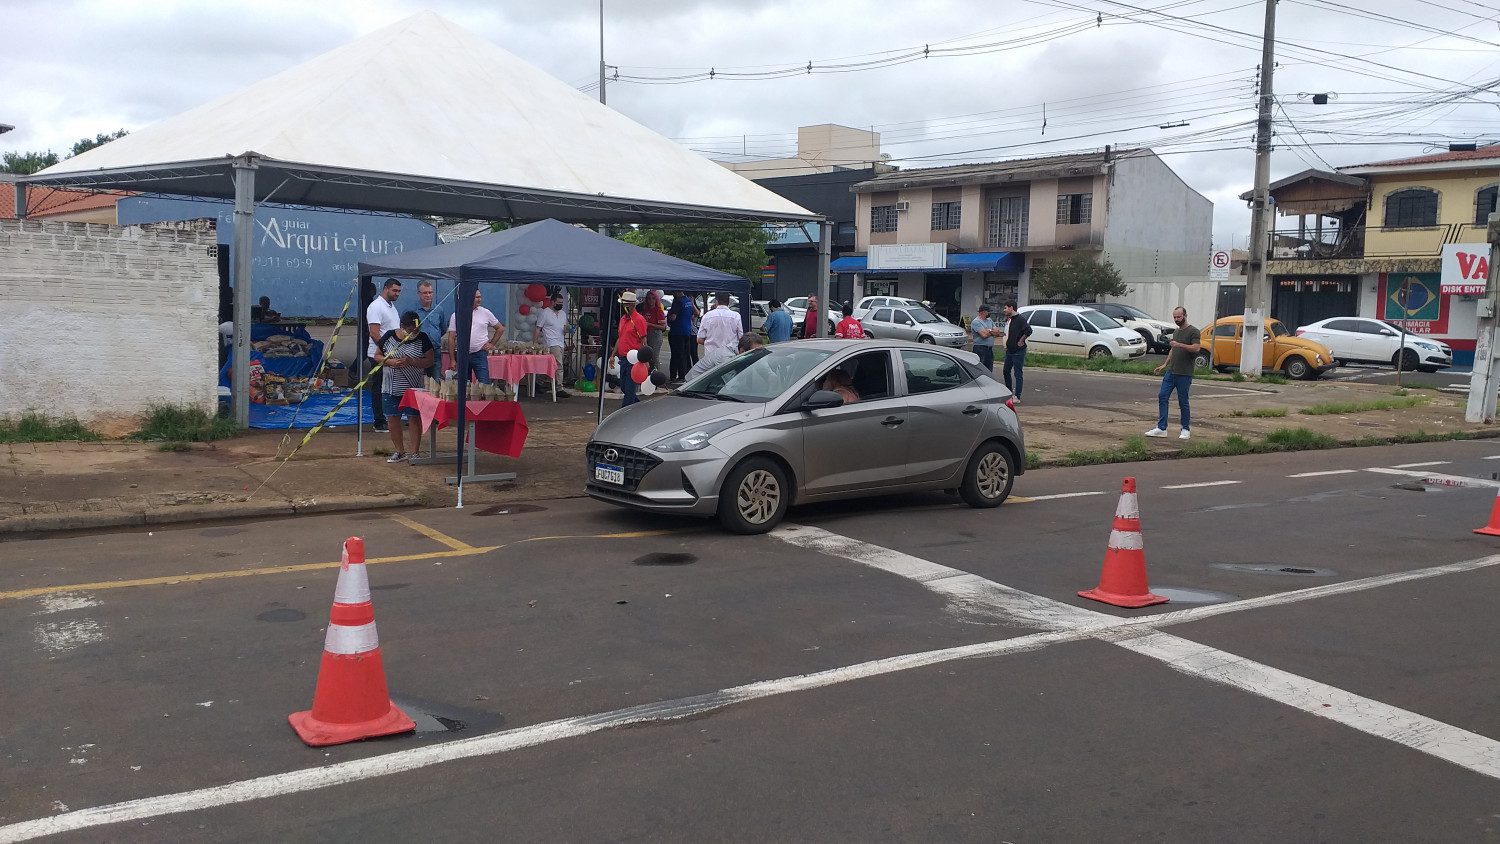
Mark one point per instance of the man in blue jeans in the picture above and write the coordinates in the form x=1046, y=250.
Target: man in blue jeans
x=1017, y=329
x=1178, y=375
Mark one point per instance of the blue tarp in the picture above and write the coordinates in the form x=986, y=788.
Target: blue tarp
x=310, y=412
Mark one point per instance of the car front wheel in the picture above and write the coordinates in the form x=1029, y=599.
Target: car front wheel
x=1408, y=361
x=1297, y=367
x=989, y=476
x=926, y=339
x=754, y=497
x=1099, y=352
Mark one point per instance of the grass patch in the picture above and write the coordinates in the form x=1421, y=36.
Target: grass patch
x=1297, y=439
x=1340, y=408
x=1134, y=367
x=37, y=428
x=1421, y=436
x=1234, y=444
x=175, y=446
x=1271, y=378
x=1261, y=413
x=1133, y=449
x=1033, y=460
x=182, y=424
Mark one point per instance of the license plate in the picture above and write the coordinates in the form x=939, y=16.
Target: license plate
x=609, y=474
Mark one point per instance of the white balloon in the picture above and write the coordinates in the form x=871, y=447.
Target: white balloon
x=614, y=368
x=633, y=357
x=645, y=388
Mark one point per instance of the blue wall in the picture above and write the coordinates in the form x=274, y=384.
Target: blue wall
x=305, y=259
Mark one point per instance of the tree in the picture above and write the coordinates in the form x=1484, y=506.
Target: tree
x=1076, y=278
x=83, y=145
x=736, y=249
x=26, y=163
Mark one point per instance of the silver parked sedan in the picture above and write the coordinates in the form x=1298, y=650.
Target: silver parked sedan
x=812, y=420
x=912, y=322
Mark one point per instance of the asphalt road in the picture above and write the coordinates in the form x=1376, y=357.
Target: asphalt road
x=889, y=669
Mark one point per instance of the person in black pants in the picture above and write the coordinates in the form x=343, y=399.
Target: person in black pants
x=681, y=335
x=1017, y=329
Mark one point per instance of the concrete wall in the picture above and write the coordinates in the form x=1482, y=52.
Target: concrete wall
x=1158, y=233
x=103, y=321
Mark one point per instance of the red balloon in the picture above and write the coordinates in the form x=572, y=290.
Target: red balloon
x=524, y=309
x=536, y=293
x=640, y=372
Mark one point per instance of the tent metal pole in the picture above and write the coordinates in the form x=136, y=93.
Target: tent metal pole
x=359, y=356
x=825, y=248
x=244, y=231
x=606, y=351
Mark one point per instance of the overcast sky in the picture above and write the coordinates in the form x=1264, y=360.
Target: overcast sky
x=1406, y=74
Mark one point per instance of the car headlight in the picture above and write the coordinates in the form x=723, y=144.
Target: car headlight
x=1121, y=341
x=692, y=439
x=1428, y=346
x=1317, y=358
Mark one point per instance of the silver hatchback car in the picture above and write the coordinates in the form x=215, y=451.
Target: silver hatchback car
x=912, y=322
x=812, y=420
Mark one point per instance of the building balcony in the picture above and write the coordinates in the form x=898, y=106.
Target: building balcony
x=1299, y=245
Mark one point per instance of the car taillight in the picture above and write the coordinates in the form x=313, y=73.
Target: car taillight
x=1299, y=331
x=1010, y=402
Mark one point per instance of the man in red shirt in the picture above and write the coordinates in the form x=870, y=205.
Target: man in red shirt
x=849, y=327
x=810, y=319
x=632, y=333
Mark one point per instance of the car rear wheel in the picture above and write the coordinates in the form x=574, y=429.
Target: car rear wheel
x=1298, y=367
x=1098, y=352
x=989, y=476
x=1200, y=360
x=754, y=497
x=1408, y=359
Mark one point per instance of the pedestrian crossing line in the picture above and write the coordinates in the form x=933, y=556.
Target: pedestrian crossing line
x=1203, y=484
x=1324, y=472
x=1417, y=465
x=1491, y=457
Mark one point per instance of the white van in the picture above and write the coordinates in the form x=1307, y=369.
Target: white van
x=1081, y=331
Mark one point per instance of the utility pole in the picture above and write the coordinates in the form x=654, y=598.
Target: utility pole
x=1484, y=382
x=601, y=52
x=1257, y=286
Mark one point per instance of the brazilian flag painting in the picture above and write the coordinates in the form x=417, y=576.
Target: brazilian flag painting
x=1412, y=296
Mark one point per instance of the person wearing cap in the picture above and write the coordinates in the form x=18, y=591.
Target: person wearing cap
x=984, y=331
x=631, y=334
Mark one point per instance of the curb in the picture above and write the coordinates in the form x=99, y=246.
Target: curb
x=93, y=520
x=1176, y=452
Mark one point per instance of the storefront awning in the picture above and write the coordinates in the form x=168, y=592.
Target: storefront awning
x=957, y=262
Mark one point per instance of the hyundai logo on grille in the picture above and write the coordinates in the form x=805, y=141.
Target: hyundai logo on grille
x=612, y=454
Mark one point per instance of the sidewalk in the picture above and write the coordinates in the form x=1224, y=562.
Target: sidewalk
x=70, y=486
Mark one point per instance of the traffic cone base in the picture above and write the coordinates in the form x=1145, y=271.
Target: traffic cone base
x=1493, y=528
x=351, y=701
x=1122, y=583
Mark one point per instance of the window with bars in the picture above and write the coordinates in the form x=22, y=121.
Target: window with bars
x=1411, y=208
x=882, y=218
x=1074, y=208
x=1484, y=205
x=945, y=215
x=1008, y=222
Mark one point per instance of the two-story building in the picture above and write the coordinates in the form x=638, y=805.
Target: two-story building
x=969, y=234
x=1368, y=241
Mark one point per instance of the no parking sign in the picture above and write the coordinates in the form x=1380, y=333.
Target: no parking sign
x=1218, y=266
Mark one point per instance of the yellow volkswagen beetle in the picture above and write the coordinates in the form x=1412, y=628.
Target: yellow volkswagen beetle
x=1298, y=357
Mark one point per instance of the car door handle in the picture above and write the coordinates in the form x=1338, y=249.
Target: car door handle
x=892, y=421
x=971, y=410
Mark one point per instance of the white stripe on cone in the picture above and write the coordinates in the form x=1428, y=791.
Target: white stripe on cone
x=346, y=640
x=1126, y=540
x=353, y=586
x=1128, y=508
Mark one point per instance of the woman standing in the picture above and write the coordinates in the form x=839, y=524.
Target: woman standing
x=656, y=324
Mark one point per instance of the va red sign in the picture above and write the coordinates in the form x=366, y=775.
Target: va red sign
x=1466, y=268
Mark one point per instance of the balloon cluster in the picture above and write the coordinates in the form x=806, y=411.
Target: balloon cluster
x=523, y=325
x=640, y=361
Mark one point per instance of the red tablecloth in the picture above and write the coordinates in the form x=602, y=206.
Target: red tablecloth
x=499, y=426
x=512, y=368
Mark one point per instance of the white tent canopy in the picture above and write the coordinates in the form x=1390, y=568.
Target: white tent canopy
x=424, y=116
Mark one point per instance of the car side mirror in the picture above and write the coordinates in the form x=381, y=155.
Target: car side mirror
x=1266, y=338
x=823, y=400
x=1386, y=332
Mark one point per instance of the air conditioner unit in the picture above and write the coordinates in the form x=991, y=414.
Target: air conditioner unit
x=903, y=206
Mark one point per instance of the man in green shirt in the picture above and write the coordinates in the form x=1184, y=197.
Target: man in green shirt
x=1178, y=375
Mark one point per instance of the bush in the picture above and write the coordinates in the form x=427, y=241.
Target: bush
x=34, y=427
x=1298, y=439
x=184, y=424
x=1339, y=408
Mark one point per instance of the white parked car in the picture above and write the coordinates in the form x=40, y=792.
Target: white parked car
x=1157, y=333
x=870, y=303
x=759, y=310
x=1362, y=340
x=1081, y=331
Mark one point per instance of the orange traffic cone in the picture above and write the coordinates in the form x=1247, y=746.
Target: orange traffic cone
x=351, y=701
x=1123, y=581
x=1493, y=528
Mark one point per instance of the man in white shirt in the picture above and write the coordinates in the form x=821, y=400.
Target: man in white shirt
x=484, y=335
x=720, y=331
x=381, y=317
x=551, y=325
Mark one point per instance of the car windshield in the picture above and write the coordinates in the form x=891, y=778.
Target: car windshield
x=923, y=316
x=1098, y=320
x=1395, y=326
x=1133, y=312
x=758, y=375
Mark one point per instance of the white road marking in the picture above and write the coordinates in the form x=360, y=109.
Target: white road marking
x=1058, y=495
x=1325, y=472
x=1456, y=480
x=968, y=593
x=1415, y=465
x=1451, y=744
x=1491, y=457
x=65, y=602
x=62, y=636
x=1205, y=483
x=1110, y=628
